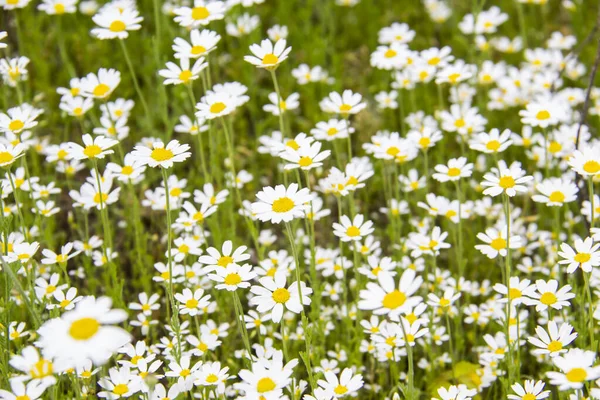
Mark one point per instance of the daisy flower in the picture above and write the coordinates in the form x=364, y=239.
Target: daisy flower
x=576, y=367
x=384, y=298
x=192, y=303
x=496, y=242
x=347, y=384
x=94, y=147
x=555, y=192
x=178, y=74
x=354, y=230
x=268, y=56
x=457, y=168
x=288, y=104
x=281, y=204
x=102, y=85
x=233, y=277
x=273, y=295
x=216, y=260
x=160, y=156
x=18, y=390
x=505, y=179
x=532, y=390
x=548, y=295
x=542, y=114
x=202, y=13
x=87, y=332
x=9, y=154
x=306, y=157
x=345, y=104
x=493, y=142
x=214, y=105
x=586, y=162
x=115, y=23
x=201, y=43
x=585, y=256
x=554, y=341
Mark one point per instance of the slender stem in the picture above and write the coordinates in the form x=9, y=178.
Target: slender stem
x=279, y=99
x=135, y=79
x=174, y=309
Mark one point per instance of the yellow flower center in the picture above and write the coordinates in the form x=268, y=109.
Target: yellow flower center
x=185, y=75
x=591, y=167
x=498, y=244
x=434, y=61
x=191, y=303
x=582, y=257
x=493, y=145
x=101, y=90
x=233, y=279
x=120, y=389
x=59, y=8
x=185, y=372
x=305, y=161
x=211, y=378
x=117, y=26
x=353, y=231
x=345, y=108
x=293, y=144
x=514, y=293
x=200, y=13
x=224, y=261
x=576, y=375
x=5, y=157
x=453, y=171
x=161, y=154
x=127, y=170
x=217, y=107
x=542, y=115
x=92, y=151
x=554, y=147
x=84, y=328
x=555, y=345
x=392, y=151
x=453, y=77
x=459, y=123
x=281, y=295
x=340, y=390
x=424, y=142
x=390, y=53
x=444, y=302
x=548, y=298
x=16, y=125
x=282, y=205
x=197, y=50
x=394, y=299
x=270, y=59
x=331, y=131
x=556, y=197
x=507, y=182
x=98, y=199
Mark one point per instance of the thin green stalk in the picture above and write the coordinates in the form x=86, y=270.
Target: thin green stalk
x=135, y=79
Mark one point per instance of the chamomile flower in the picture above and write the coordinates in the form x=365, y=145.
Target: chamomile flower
x=549, y=295
x=201, y=44
x=352, y=230
x=457, y=168
x=160, y=156
x=346, y=385
x=182, y=74
x=345, y=104
x=58, y=7
x=201, y=13
x=87, y=332
x=233, y=277
x=306, y=157
x=9, y=154
x=496, y=242
x=268, y=56
x=273, y=295
x=505, y=179
x=192, y=303
x=585, y=256
x=586, y=162
x=281, y=204
x=101, y=85
x=95, y=148
x=576, y=367
x=554, y=341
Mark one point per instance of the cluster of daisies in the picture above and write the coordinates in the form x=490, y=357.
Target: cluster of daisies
x=439, y=257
